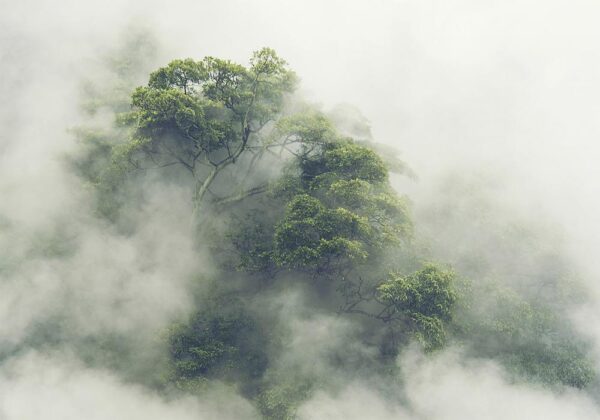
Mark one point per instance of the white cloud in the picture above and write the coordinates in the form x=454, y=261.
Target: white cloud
x=35, y=386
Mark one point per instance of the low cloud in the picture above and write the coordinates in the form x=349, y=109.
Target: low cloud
x=54, y=387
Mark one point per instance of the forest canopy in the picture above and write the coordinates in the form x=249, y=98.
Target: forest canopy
x=284, y=198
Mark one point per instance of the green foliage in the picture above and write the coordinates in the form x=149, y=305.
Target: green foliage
x=307, y=127
x=329, y=221
x=557, y=362
x=338, y=210
x=282, y=401
x=517, y=307
x=200, y=117
x=220, y=342
x=529, y=338
x=351, y=161
x=181, y=74
x=311, y=234
x=253, y=244
x=423, y=300
x=427, y=292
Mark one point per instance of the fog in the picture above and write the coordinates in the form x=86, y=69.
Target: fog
x=499, y=96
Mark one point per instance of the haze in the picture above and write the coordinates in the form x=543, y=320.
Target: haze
x=500, y=95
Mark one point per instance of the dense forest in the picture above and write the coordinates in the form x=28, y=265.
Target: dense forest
x=315, y=272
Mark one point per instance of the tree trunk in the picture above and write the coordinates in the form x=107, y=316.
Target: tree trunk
x=200, y=192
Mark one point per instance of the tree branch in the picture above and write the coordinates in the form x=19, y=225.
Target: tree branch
x=242, y=195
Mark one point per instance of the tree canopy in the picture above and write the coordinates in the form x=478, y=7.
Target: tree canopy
x=285, y=198
x=206, y=115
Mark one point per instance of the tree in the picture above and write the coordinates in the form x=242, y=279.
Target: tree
x=318, y=215
x=205, y=116
x=329, y=218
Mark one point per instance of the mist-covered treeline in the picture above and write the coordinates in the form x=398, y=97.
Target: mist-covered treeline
x=302, y=230
x=209, y=242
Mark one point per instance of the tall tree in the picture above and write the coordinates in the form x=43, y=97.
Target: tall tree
x=205, y=116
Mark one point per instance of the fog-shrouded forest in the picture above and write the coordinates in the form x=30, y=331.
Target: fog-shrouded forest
x=299, y=210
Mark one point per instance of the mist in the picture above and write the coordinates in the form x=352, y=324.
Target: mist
x=492, y=105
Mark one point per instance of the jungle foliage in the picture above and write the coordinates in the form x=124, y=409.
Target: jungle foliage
x=284, y=200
